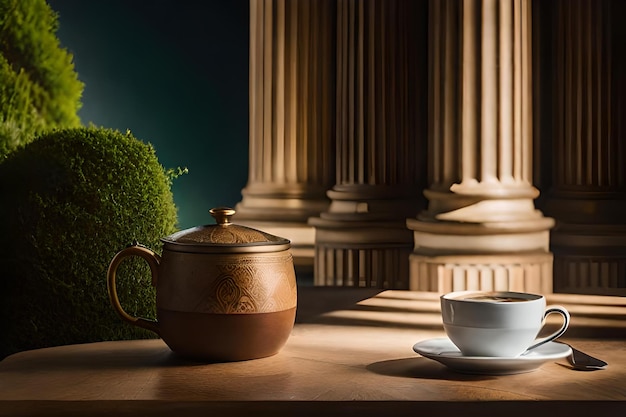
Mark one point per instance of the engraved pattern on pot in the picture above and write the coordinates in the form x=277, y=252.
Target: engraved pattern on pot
x=251, y=285
x=230, y=296
x=230, y=292
x=225, y=235
x=227, y=283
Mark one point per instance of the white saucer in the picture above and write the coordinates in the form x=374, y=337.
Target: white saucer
x=444, y=351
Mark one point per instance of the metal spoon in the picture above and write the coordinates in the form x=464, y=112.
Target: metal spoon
x=583, y=362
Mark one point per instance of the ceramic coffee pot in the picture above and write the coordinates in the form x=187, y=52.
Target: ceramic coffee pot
x=224, y=292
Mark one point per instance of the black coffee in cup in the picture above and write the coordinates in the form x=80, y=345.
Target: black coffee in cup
x=493, y=297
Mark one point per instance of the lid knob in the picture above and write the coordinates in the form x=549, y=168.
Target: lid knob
x=222, y=215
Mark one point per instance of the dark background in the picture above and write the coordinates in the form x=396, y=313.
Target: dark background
x=175, y=73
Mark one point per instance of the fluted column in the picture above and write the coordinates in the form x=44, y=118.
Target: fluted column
x=292, y=96
x=362, y=239
x=588, y=194
x=481, y=229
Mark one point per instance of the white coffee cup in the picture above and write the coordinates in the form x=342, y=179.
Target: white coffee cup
x=498, y=323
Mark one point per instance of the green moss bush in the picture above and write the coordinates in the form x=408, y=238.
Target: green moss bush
x=39, y=88
x=70, y=200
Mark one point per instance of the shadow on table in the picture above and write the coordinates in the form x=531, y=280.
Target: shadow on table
x=421, y=368
x=316, y=301
x=105, y=356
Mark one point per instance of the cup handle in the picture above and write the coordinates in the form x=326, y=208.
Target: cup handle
x=566, y=318
x=154, y=261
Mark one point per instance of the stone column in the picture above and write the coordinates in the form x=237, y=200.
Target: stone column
x=362, y=240
x=588, y=194
x=292, y=96
x=481, y=229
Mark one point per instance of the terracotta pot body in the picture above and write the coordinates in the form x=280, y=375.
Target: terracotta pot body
x=224, y=292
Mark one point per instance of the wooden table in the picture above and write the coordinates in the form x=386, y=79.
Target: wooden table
x=350, y=353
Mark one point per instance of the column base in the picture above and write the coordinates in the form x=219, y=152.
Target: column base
x=589, y=241
x=362, y=254
x=362, y=241
x=380, y=267
x=521, y=272
x=505, y=250
x=589, y=259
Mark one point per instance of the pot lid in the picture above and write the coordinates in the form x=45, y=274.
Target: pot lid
x=224, y=237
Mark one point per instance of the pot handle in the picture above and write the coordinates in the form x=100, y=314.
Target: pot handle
x=154, y=261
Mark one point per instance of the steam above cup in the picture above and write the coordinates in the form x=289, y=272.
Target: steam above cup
x=497, y=324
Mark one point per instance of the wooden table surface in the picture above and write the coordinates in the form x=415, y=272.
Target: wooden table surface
x=350, y=353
